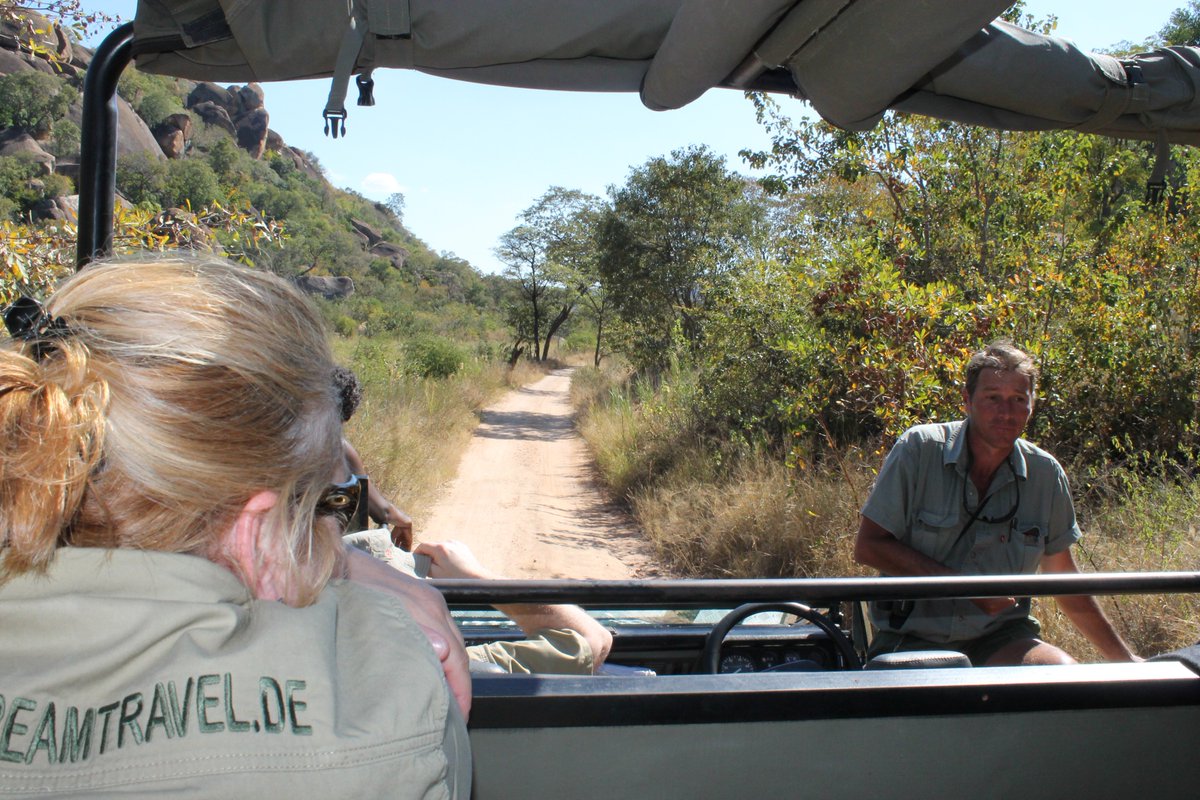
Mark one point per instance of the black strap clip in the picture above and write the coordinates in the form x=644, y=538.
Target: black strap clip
x=335, y=121
x=366, y=90
x=1155, y=191
x=1156, y=187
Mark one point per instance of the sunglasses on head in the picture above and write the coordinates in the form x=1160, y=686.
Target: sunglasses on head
x=347, y=502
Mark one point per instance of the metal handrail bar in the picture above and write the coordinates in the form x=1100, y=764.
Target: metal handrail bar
x=692, y=593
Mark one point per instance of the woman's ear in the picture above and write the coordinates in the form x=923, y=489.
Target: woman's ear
x=252, y=553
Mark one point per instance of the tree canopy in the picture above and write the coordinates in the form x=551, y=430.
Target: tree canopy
x=1183, y=27
x=551, y=258
x=672, y=233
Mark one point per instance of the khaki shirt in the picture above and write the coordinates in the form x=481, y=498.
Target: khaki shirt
x=921, y=497
x=129, y=673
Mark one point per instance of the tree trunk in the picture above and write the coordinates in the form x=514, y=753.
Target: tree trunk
x=599, y=332
x=537, y=319
x=553, y=327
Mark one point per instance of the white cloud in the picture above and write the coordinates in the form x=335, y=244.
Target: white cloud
x=381, y=184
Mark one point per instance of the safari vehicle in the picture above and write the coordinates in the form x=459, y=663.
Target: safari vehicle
x=707, y=706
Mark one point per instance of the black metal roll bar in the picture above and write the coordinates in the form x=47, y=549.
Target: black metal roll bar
x=814, y=591
x=98, y=145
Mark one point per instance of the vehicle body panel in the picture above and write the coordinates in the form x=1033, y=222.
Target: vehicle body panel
x=1082, y=731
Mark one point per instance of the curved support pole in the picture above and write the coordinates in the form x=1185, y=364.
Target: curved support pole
x=98, y=145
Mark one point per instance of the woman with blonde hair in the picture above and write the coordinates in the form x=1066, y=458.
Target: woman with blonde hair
x=173, y=610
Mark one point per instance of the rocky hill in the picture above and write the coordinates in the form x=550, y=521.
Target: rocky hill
x=182, y=143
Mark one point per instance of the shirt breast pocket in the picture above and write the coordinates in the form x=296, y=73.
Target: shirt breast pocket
x=934, y=533
x=1027, y=545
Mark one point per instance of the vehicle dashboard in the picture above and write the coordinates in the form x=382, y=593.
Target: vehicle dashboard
x=675, y=649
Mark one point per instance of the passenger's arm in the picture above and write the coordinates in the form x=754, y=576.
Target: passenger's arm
x=382, y=510
x=878, y=548
x=427, y=608
x=533, y=617
x=453, y=559
x=386, y=512
x=1086, y=614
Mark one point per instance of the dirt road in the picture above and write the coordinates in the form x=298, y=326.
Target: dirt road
x=526, y=499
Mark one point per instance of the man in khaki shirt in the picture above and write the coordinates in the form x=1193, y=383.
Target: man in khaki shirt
x=974, y=498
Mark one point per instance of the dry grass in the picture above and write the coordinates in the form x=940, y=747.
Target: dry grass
x=591, y=386
x=1147, y=524
x=638, y=432
x=762, y=521
x=411, y=435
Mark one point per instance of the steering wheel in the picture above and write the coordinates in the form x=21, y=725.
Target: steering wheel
x=710, y=658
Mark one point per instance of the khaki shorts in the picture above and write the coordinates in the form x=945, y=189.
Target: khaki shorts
x=978, y=650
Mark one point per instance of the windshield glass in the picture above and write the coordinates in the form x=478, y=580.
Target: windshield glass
x=491, y=618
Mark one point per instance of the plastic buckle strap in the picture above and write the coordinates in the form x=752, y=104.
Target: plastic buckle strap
x=1156, y=186
x=366, y=88
x=1155, y=191
x=335, y=122
x=347, y=56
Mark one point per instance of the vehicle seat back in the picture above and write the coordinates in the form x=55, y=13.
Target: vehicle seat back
x=919, y=659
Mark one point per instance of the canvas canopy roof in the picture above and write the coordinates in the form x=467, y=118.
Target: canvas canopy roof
x=851, y=59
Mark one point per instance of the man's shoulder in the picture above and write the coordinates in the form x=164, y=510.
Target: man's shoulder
x=1036, y=455
x=934, y=434
x=1028, y=448
x=925, y=445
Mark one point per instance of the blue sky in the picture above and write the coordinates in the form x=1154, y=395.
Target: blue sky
x=469, y=158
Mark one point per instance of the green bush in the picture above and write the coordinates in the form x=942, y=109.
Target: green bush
x=157, y=107
x=375, y=361
x=22, y=184
x=145, y=179
x=141, y=177
x=383, y=321
x=34, y=101
x=190, y=180
x=57, y=185
x=434, y=357
x=153, y=97
x=580, y=339
x=227, y=160
x=65, y=141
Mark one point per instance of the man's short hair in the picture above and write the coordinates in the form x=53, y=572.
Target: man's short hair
x=1003, y=356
